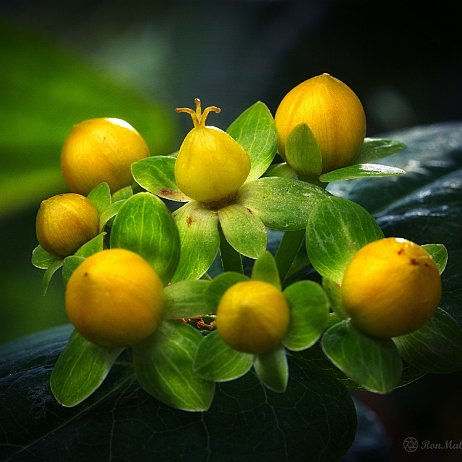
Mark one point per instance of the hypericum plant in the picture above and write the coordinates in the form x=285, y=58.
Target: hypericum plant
x=203, y=319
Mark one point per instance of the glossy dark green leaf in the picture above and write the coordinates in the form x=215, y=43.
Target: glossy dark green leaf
x=100, y=196
x=272, y=369
x=378, y=148
x=185, y=299
x=145, y=226
x=360, y=171
x=265, y=269
x=255, y=131
x=374, y=364
x=219, y=286
x=80, y=369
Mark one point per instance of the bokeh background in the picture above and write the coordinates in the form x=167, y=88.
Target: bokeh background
x=62, y=62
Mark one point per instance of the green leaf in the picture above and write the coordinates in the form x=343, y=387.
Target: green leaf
x=219, y=286
x=244, y=231
x=282, y=170
x=436, y=347
x=156, y=175
x=42, y=259
x=309, y=311
x=265, y=269
x=164, y=367
x=378, y=148
x=272, y=369
x=360, y=171
x=439, y=254
x=336, y=230
x=49, y=273
x=334, y=292
x=81, y=368
x=145, y=226
x=255, y=131
x=92, y=246
x=110, y=213
x=122, y=194
x=373, y=363
x=281, y=203
x=185, y=299
x=200, y=240
x=302, y=152
x=70, y=265
x=218, y=362
x=100, y=196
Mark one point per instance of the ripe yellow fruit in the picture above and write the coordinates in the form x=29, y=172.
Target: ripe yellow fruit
x=391, y=287
x=114, y=298
x=65, y=222
x=211, y=166
x=252, y=316
x=101, y=150
x=334, y=114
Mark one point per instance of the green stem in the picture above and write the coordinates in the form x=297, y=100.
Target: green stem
x=288, y=250
x=230, y=257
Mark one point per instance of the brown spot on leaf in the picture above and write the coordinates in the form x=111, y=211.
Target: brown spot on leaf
x=166, y=192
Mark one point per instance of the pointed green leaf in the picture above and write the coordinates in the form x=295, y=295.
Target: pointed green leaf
x=436, y=347
x=377, y=148
x=265, y=269
x=282, y=170
x=360, y=171
x=81, y=368
x=156, y=175
x=244, y=231
x=100, y=196
x=255, y=131
x=200, y=240
x=164, y=367
x=281, y=203
x=336, y=230
x=185, y=299
x=272, y=369
x=42, y=259
x=219, y=286
x=145, y=226
x=92, y=246
x=70, y=265
x=302, y=152
x=49, y=273
x=218, y=362
x=373, y=363
x=309, y=311
x=439, y=254
x=122, y=194
x=110, y=213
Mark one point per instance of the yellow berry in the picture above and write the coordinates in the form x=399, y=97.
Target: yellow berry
x=334, y=114
x=391, y=287
x=65, y=222
x=252, y=316
x=114, y=298
x=101, y=150
x=211, y=166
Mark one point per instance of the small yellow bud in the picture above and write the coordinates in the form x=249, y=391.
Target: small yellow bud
x=391, y=287
x=252, y=316
x=211, y=166
x=101, y=150
x=114, y=298
x=334, y=114
x=65, y=222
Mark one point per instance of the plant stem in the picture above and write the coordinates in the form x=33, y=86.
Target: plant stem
x=230, y=257
x=288, y=250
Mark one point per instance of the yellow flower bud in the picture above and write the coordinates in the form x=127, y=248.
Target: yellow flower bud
x=65, y=222
x=101, y=150
x=333, y=113
x=252, y=316
x=114, y=298
x=211, y=166
x=391, y=287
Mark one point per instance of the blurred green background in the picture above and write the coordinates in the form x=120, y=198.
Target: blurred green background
x=61, y=63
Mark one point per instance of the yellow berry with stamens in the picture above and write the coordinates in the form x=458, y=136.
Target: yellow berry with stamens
x=211, y=166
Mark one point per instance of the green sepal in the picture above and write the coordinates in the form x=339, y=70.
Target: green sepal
x=281, y=203
x=199, y=240
x=334, y=292
x=42, y=259
x=219, y=285
x=145, y=225
x=80, y=369
x=164, y=367
x=265, y=269
x=216, y=361
x=377, y=148
x=70, y=265
x=255, y=131
x=92, y=246
x=49, y=273
x=272, y=369
x=360, y=171
x=100, y=197
x=309, y=312
x=439, y=253
x=122, y=194
x=302, y=152
x=373, y=363
x=436, y=347
x=243, y=230
x=156, y=174
x=185, y=299
x=336, y=230
x=283, y=170
x=110, y=213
